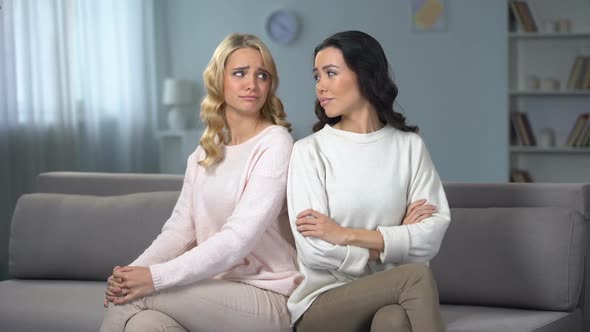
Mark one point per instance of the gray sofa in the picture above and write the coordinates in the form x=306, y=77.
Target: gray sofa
x=513, y=258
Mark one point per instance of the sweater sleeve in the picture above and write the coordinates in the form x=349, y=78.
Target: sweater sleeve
x=305, y=190
x=178, y=233
x=418, y=242
x=260, y=203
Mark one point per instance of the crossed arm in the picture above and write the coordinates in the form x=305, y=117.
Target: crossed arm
x=311, y=223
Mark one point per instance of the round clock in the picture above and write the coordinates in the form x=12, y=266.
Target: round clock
x=282, y=26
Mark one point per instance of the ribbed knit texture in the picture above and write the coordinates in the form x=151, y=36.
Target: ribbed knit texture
x=230, y=222
x=362, y=181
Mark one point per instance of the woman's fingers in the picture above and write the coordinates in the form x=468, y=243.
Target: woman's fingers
x=420, y=210
x=304, y=213
x=423, y=209
x=120, y=273
x=310, y=213
x=415, y=204
x=422, y=217
x=117, y=280
x=113, y=291
x=308, y=221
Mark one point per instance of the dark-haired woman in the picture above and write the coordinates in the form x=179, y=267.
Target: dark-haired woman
x=363, y=246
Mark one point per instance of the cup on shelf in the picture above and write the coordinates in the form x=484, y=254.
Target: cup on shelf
x=547, y=138
x=548, y=26
x=533, y=83
x=562, y=25
x=550, y=84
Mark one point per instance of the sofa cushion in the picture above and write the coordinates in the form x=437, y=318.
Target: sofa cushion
x=512, y=257
x=489, y=319
x=76, y=237
x=51, y=305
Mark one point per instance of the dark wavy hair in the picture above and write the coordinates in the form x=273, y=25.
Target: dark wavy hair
x=365, y=57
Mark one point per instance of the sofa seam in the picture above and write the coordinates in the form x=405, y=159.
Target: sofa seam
x=585, y=195
x=573, y=220
x=565, y=314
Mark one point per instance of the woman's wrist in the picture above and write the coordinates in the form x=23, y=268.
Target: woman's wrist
x=364, y=238
x=350, y=236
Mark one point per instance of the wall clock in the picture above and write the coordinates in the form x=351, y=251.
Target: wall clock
x=282, y=26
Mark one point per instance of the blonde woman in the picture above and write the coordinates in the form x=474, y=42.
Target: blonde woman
x=225, y=259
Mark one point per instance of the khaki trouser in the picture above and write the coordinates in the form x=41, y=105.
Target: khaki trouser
x=212, y=305
x=153, y=321
x=401, y=299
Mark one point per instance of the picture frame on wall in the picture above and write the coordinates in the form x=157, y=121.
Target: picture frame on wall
x=429, y=15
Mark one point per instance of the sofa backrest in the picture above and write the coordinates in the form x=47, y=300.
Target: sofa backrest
x=530, y=258
x=570, y=196
x=82, y=237
x=105, y=184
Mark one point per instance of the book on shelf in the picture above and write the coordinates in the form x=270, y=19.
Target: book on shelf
x=583, y=140
x=578, y=132
x=585, y=77
x=521, y=127
x=520, y=175
x=586, y=139
x=580, y=73
x=522, y=13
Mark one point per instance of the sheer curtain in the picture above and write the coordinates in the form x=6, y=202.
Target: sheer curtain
x=77, y=92
x=117, y=84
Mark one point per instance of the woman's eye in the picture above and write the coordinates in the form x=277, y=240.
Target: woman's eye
x=263, y=76
x=331, y=73
x=316, y=77
x=239, y=73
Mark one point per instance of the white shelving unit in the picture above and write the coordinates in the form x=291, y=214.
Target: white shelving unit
x=548, y=35
x=550, y=55
x=566, y=93
x=554, y=150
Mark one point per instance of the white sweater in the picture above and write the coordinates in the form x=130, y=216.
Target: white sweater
x=362, y=181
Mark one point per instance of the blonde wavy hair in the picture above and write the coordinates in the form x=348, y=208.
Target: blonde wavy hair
x=213, y=106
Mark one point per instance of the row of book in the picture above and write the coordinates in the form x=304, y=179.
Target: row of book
x=580, y=73
x=579, y=136
x=520, y=175
x=521, y=12
x=521, y=132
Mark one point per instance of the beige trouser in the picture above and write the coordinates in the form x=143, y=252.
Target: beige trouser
x=212, y=305
x=401, y=299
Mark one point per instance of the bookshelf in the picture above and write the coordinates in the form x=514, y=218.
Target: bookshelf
x=538, y=61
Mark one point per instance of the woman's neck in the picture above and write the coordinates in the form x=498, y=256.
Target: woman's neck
x=243, y=128
x=363, y=121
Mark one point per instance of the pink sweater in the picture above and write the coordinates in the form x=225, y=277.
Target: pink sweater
x=231, y=222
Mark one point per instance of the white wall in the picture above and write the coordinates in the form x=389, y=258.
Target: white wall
x=452, y=84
